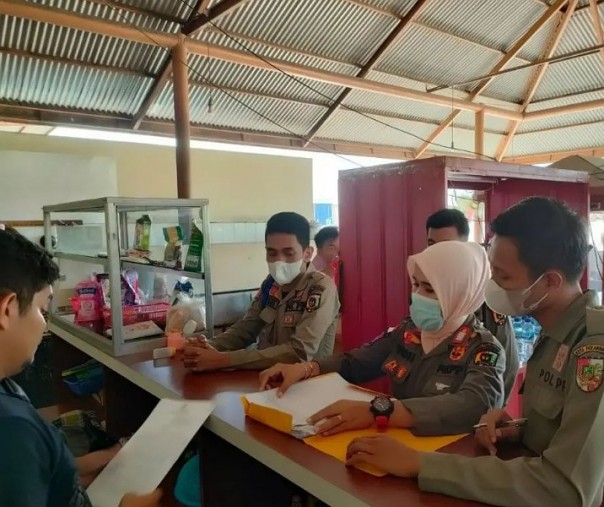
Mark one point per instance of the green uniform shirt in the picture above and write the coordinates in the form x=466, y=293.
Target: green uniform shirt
x=501, y=328
x=563, y=404
x=287, y=328
x=446, y=390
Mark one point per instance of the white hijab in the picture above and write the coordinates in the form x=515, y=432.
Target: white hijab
x=458, y=273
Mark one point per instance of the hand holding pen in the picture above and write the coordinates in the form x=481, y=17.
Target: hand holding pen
x=494, y=426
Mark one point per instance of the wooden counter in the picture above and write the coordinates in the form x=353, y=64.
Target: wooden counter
x=320, y=475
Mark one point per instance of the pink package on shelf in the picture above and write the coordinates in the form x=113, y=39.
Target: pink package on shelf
x=88, y=302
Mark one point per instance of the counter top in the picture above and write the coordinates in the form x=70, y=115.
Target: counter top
x=323, y=476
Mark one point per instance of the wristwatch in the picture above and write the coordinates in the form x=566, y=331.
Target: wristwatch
x=381, y=407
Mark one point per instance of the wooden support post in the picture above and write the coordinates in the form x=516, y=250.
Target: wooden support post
x=479, y=134
x=182, y=124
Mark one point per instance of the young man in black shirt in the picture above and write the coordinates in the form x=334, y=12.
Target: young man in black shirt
x=36, y=468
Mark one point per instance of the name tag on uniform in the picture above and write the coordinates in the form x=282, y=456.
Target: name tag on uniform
x=288, y=320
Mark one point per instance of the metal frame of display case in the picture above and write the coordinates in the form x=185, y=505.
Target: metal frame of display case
x=116, y=231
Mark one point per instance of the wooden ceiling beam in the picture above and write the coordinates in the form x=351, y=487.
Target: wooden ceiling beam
x=88, y=24
x=482, y=85
x=596, y=19
x=400, y=27
x=81, y=119
x=537, y=76
x=553, y=156
x=201, y=18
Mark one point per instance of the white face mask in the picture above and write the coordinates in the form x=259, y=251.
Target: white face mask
x=283, y=272
x=510, y=302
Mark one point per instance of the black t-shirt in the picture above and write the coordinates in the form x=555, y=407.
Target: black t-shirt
x=36, y=468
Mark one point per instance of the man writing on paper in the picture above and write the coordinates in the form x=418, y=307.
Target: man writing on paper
x=446, y=369
x=293, y=316
x=538, y=256
x=36, y=468
x=452, y=225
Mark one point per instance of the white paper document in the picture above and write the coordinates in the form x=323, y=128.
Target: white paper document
x=306, y=398
x=150, y=454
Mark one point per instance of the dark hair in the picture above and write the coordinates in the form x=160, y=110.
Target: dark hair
x=326, y=234
x=289, y=222
x=548, y=235
x=449, y=218
x=25, y=268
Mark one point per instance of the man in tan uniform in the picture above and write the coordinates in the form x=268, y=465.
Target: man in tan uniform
x=538, y=255
x=293, y=316
x=452, y=225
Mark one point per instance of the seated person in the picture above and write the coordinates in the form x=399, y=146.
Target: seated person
x=538, y=256
x=293, y=316
x=36, y=468
x=452, y=225
x=328, y=251
x=446, y=368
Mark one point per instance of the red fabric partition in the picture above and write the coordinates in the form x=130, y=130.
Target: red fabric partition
x=507, y=192
x=382, y=217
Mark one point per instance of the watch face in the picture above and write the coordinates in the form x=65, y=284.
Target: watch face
x=382, y=404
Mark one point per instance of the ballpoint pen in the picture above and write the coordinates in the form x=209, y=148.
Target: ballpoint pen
x=504, y=424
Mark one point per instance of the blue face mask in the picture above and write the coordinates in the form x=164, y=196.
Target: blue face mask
x=426, y=313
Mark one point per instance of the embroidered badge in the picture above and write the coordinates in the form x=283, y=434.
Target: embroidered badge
x=500, y=320
x=458, y=352
x=589, y=373
x=401, y=372
x=288, y=320
x=410, y=338
x=313, y=302
x=274, y=292
x=561, y=358
x=461, y=335
x=581, y=351
x=390, y=366
x=487, y=355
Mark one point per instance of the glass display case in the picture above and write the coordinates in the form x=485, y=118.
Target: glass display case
x=124, y=263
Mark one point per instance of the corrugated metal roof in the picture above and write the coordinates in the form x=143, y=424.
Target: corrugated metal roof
x=579, y=33
x=229, y=112
x=463, y=142
x=334, y=28
x=566, y=139
x=79, y=46
x=534, y=49
x=232, y=75
x=571, y=76
x=491, y=22
x=114, y=13
x=174, y=8
x=33, y=81
x=511, y=87
x=333, y=35
x=420, y=54
x=346, y=125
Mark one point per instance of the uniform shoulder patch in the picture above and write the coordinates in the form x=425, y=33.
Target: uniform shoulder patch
x=487, y=354
x=590, y=367
x=315, y=294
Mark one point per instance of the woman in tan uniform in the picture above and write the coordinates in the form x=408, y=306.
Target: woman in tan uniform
x=445, y=367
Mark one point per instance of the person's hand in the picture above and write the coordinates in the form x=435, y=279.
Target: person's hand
x=199, y=359
x=343, y=415
x=490, y=434
x=282, y=376
x=384, y=453
x=200, y=341
x=149, y=500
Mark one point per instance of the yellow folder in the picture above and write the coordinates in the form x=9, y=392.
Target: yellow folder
x=336, y=445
